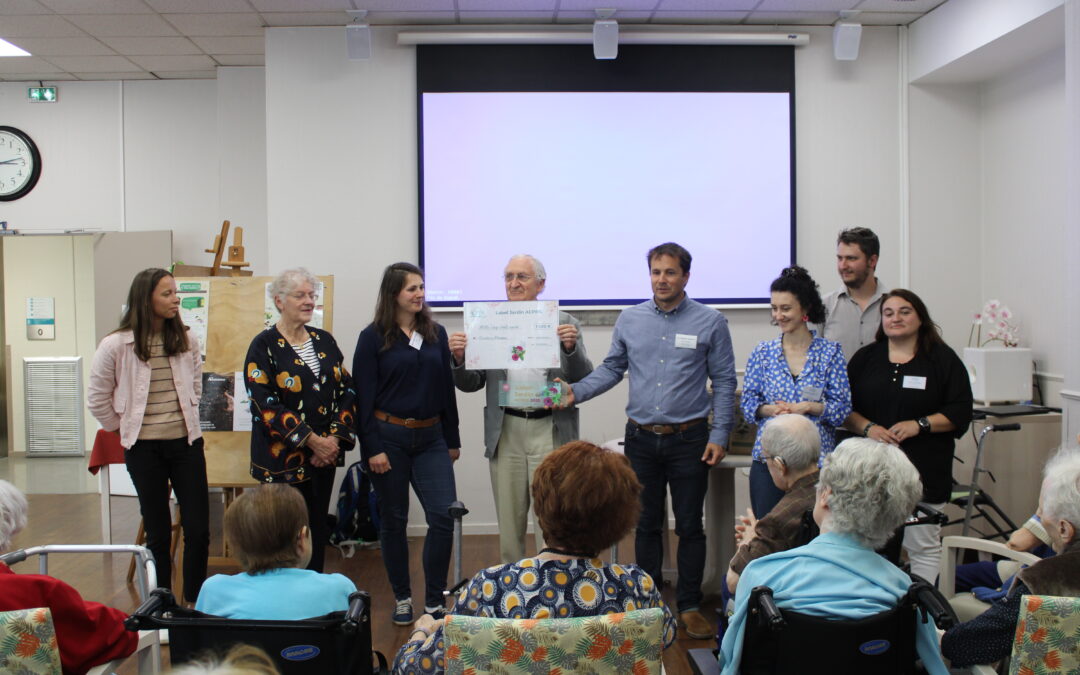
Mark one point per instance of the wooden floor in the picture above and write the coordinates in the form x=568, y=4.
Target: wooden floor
x=75, y=519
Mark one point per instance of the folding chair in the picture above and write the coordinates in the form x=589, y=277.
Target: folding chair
x=339, y=642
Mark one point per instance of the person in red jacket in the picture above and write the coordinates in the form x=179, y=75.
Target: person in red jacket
x=87, y=633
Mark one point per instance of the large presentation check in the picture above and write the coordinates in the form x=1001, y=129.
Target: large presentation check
x=512, y=335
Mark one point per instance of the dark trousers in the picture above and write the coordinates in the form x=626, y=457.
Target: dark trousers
x=675, y=460
x=154, y=466
x=317, y=491
x=764, y=494
x=418, y=457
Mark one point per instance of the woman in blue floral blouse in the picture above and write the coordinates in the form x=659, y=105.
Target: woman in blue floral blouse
x=585, y=499
x=797, y=372
x=303, y=402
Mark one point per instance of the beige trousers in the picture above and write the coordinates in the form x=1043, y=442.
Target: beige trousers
x=523, y=444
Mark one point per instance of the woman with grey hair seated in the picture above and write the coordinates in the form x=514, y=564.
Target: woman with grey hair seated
x=866, y=490
x=87, y=633
x=303, y=402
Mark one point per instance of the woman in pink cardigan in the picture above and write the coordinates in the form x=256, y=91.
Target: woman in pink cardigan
x=145, y=384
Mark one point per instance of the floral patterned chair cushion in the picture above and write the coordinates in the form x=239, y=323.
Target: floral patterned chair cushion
x=1047, y=636
x=629, y=642
x=28, y=642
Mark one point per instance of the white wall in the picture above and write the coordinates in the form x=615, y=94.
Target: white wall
x=352, y=209
x=1023, y=184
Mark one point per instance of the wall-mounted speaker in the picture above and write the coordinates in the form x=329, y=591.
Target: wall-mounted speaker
x=845, y=41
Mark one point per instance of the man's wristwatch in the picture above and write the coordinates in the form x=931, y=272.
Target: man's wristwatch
x=924, y=425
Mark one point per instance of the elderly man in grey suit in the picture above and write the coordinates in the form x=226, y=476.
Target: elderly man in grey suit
x=516, y=440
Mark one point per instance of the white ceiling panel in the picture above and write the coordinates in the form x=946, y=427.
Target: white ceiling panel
x=505, y=17
x=38, y=26
x=160, y=64
x=23, y=7
x=199, y=6
x=589, y=17
x=411, y=18
x=207, y=25
x=699, y=17
x=32, y=78
x=886, y=18
x=501, y=5
x=77, y=46
x=305, y=5
x=94, y=64
x=135, y=75
x=920, y=6
x=230, y=45
x=792, y=18
x=188, y=75
x=98, y=6
x=807, y=5
x=240, y=59
x=621, y=6
x=308, y=19
x=27, y=64
x=123, y=25
x=707, y=5
x=410, y=5
x=143, y=46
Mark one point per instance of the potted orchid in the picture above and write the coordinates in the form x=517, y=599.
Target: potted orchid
x=999, y=369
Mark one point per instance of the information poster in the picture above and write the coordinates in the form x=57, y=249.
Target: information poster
x=195, y=307
x=217, y=403
x=271, y=314
x=241, y=404
x=512, y=335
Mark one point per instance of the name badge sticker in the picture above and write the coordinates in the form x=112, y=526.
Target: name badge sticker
x=416, y=341
x=685, y=341
x=812, y=393
x=914, y=382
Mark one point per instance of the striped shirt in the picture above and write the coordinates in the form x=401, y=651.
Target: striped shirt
x=163, y=419
x=306, y=352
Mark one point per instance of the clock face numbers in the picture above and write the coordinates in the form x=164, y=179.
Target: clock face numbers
x=20, y=164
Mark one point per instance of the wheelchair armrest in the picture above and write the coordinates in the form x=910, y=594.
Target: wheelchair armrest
x=159, y=598
x=355, y=615
x=933, y=603
x=762, y=597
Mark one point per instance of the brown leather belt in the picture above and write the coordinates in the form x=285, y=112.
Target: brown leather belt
x=667, y=429
x=410, y=423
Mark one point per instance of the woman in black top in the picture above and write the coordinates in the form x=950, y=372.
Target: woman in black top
x=408, y=427
x=910, y=389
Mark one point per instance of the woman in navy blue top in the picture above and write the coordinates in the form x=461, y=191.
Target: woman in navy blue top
x=408, y=428
x=796, y=373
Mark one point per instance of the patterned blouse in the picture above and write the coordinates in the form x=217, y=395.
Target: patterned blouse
x=289, y=403
x=823, y=380
x=541, y=589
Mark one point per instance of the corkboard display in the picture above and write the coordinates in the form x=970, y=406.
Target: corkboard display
x=235, y=317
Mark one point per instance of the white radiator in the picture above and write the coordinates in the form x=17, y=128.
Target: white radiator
x=54, y=406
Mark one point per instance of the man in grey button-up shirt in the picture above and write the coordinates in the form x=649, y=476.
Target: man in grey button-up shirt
x=671, y=344
x=853, y=313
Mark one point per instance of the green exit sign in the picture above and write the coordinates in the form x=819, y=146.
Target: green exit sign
x=41, y=94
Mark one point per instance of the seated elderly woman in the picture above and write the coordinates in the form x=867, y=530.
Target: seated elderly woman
x=989, y=637
x=87, y=633
x=865, y=492
x=790, y=445
x=585, y=499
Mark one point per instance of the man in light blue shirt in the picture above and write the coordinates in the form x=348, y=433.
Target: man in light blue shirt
x=671, y=345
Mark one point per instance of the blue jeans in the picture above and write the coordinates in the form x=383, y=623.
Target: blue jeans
x=675, y=460
x=764, y=494
x=418, y=457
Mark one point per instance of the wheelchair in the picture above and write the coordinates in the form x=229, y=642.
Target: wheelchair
x=781, y=641
x=339, y=642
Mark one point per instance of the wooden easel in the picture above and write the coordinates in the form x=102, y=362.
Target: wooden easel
x=235, y=262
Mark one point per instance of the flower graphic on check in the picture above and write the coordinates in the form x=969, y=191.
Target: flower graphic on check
x=517, y=353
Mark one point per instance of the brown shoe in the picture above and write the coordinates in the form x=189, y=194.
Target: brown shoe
x=696, y=625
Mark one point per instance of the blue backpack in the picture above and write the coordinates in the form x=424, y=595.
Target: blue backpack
x=357, y=513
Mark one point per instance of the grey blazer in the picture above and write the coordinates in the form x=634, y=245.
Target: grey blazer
x=575, y=366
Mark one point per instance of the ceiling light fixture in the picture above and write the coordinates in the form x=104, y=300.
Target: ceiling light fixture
x=8, y=49
x=605, y=35
x=358, y=36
